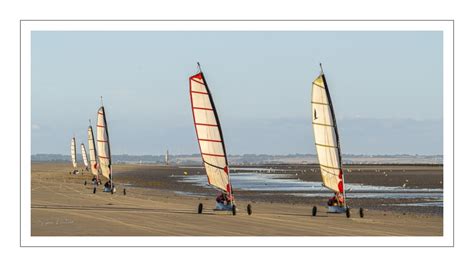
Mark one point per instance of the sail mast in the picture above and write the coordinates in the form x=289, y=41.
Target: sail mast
x=103, y=144
x=335, y=130
x=209, y=133
x=327, y=136
x=92, y=151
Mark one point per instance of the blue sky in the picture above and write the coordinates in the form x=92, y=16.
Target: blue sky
x=386, y=89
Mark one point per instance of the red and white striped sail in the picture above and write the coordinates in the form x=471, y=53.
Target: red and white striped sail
x=103, y=144
x=84, y=155
x=92, y=151
x=73, y=152
x=326, y=136
x=209, y=134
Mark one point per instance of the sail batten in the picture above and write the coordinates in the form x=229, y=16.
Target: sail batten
x=326, y=136
x=73, y=153
x=103, y=144
x=209, y=133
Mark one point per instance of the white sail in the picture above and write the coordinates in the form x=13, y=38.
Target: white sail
x=103, y=145
x=326, y=136
x=84, y=155
x=209, y=134
x=92, y=151
x=73, y=152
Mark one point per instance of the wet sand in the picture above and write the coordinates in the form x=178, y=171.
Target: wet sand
x=61, y=205
x=414, y=177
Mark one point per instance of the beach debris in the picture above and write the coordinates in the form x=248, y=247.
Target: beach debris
x=185, y=173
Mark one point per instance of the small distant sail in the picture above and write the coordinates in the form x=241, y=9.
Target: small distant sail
x=209, y=134
x=73, y=153
x=84, y=156
x=103, y=144
x=326, y=136
x=92, y=151
x=167, y=157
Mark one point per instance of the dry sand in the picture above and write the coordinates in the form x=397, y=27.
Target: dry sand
x=61, y=205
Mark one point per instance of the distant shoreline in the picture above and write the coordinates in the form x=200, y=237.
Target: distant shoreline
x=254, y=159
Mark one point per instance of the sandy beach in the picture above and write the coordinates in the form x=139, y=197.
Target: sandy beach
x=61, y=205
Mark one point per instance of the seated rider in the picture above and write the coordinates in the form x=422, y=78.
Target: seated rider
x=224, y=199
x=337, y=199
x=220, y=198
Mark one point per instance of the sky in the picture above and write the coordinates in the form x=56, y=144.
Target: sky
x=386, y=88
